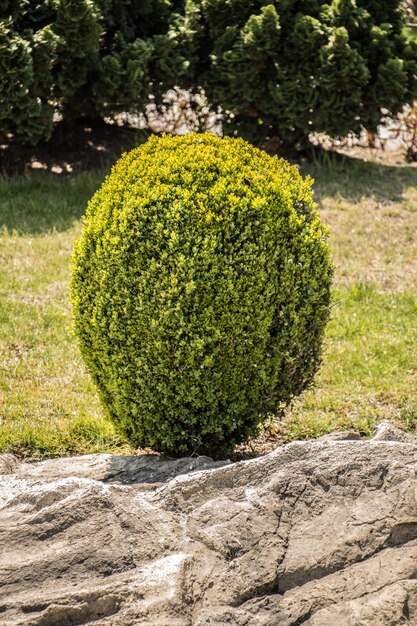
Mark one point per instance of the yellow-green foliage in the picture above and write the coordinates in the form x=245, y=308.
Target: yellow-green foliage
x=200, y=291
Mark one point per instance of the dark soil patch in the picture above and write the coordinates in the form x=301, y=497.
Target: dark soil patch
x=86, y=146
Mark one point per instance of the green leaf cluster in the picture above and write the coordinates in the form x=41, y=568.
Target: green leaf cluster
x=200, y=291
x=287, y=68
x=78, y=58
x=279, y=68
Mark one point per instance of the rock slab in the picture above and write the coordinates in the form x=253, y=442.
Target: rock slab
x=315, y=533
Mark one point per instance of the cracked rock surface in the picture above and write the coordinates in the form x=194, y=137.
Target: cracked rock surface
x=315, y=533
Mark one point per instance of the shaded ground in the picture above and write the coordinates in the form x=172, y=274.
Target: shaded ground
x=85, y=146
x=92, y=145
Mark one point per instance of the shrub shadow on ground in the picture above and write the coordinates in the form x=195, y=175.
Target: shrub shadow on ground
x=46, y=188
x=88, y=145
x=42, y=201
x=355, y=178
x=36, y=204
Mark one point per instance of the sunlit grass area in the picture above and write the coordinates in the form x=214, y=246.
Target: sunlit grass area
x=48, y=405
x=369, y=370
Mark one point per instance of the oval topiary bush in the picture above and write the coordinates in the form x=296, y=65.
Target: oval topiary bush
x=200, y=289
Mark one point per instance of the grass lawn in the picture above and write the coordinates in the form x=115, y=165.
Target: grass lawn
x=48, y=406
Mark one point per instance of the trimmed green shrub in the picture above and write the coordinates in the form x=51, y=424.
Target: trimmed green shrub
x=200, y=290
x=291, y=67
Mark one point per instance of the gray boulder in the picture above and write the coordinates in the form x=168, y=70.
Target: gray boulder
x=316, y=533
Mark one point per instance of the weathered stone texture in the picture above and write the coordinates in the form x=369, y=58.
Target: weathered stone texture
x=315, y=533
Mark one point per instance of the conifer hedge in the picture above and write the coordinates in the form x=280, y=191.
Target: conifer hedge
x=281, y=68
x=79, y=58
x=291, y=67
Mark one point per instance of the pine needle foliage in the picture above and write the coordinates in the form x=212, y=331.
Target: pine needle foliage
x=200, y=291
x=278, y=69
x=287, y=68
x=79, y=58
